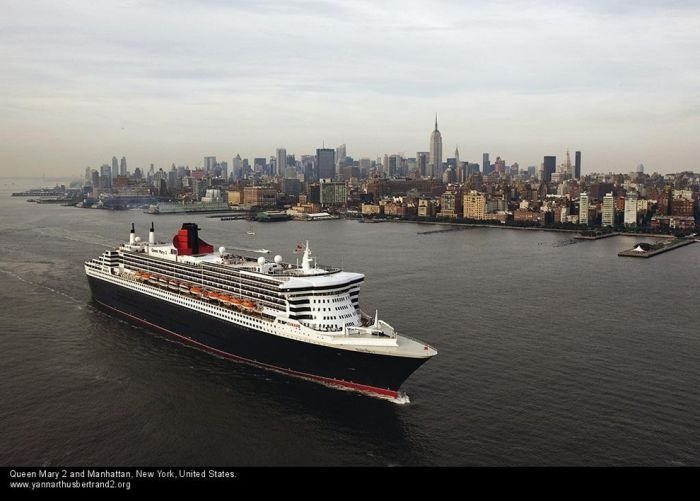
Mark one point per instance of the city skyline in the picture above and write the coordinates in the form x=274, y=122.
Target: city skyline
x=84, y=83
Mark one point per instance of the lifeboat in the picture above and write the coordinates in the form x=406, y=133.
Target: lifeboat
x=184, y=288
x=248, y=305
x=196, y=291
x=174, y=285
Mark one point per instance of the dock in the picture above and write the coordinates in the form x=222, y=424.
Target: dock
x=653, y=250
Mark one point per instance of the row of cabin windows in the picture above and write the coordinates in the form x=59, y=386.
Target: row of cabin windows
x=338, y=300
x=337, y=317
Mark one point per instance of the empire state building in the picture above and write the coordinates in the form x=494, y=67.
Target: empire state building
x=435, y=166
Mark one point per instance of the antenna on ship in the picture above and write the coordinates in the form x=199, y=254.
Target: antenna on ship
x=132, y=235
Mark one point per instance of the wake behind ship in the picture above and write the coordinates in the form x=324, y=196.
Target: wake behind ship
x=301, y=319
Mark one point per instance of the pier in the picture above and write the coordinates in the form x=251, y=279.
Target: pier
x=652, y=250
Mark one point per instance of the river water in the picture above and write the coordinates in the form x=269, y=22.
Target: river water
x=551, y=352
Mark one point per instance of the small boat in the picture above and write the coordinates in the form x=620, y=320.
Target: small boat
x=250, y=233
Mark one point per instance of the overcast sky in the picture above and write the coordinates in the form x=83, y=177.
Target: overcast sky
x=173, y=81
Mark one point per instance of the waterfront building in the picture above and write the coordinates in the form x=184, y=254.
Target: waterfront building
x=426, y=207
x=332, y=193
x=631, y=208
x=583, y=209
x=608, y=212
x=451, y=203
x=474, y=205
x=260, y=196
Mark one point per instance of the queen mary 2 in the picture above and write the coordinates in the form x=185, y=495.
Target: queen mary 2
x=300, y=319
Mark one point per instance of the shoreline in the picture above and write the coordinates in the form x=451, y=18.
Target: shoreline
x=529, y=228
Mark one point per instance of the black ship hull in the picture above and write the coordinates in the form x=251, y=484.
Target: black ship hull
x=366, y=372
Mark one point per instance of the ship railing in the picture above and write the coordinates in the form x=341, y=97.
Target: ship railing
x=320, y=269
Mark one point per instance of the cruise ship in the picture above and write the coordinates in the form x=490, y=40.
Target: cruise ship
x=301, y=319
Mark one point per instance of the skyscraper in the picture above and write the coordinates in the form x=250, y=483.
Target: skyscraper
x=422, y=162
x=458, y=168
x=631, y=208
x=435, y=166
x=549, y=167
x=209, y=164
x=583, y=209
x=325, y=162
x=237, y=167
x=281, y=162
x=340, y=154
x=115, y=167
x=608, y=216
x=577, y=165
x=122, y=167
x=394, y=165
x=105, y=176
x=486, y=164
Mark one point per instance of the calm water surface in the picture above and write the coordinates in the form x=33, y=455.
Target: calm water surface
x=550, y=353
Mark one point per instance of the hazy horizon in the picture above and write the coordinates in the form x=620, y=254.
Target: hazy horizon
x=163, y=82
